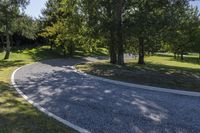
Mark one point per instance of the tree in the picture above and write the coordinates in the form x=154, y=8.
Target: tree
x=145, y=21
x=63, y=26
x=9, y=12
x=149, y=24
x=49, y=17
x=181, y=34
x=104, y=17
x=195, y=47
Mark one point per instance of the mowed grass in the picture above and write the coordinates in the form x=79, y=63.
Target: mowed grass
x=16, y=115
x=160, y=71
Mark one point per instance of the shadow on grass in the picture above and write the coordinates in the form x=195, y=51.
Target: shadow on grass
x=6, y=64
x=162, y=68
x=97, y=52
x=149, y=74
x=43, y=53
x=17, y=116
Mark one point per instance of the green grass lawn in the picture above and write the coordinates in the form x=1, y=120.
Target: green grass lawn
x=16, y=115
x=160, y=71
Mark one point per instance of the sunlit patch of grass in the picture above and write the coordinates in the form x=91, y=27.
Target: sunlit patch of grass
x=160, y=71
x=16, y=115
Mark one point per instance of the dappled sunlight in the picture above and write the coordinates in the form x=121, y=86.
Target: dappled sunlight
x=16, y=114
x=153, y=74
x=80, y=99
x=9, y=104
x=42, y=53
x=72, y=91
x=107, y=91
x=148, y=112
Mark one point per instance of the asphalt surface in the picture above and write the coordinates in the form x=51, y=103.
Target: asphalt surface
x=102, y=107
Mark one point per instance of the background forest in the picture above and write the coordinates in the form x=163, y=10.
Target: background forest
x=140, y=27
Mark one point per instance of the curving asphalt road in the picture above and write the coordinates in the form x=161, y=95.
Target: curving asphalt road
x=103, y=107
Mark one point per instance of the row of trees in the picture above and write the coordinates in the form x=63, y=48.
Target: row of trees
x=142, y=26
x=133, y=26
x=14, y=24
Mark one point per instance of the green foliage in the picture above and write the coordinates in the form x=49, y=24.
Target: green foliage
x=139, y=26
x=9, y=11
x=182, y=35
x=13, y=21
x=63, y=27
x=26, y=27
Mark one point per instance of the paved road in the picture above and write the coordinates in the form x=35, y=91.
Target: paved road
x=103, y=107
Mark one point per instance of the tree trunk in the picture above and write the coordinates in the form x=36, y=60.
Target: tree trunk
x=64, y=50
x=199, y=55
x=51, y=46
x=118, y=31
x=182, y=57
x=141, y=51
x=120, y=49
x=174, y=55
x=1, y=41
x=112, y=47
x=113, y=56
x=120, y=55
x=71, y=49
x=7, y=55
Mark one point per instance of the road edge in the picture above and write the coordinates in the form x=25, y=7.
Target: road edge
x=145, y=87
x=43, y=110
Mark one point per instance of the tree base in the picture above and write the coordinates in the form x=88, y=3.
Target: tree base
x=7, y=56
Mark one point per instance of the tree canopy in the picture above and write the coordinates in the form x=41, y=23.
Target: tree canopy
x=142, y=27
x=12, y=20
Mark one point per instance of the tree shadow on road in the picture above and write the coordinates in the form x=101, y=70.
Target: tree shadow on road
x=101, y=106
x=16, y=115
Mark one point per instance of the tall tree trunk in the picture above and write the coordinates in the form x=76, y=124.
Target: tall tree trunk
x=199, y=55
x=120, y=60
x=71, y=49
x=113, y=56
x=2, y=41
x=112, y=50
x=112, y=47
x=174, y=55
x=120, y=45
x=118, y=31
x=51, y=46
x=141, y=51
x=64, y=50
x=7, y=55
x=182, y=55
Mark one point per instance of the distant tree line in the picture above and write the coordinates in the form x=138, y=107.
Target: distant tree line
x=16, y=28
x=122, y=26
x=141, y=26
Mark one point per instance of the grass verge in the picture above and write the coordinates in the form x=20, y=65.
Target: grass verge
x=159, y=71
x=16, y=115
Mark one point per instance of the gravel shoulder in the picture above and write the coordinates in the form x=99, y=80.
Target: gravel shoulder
x=100, y=106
